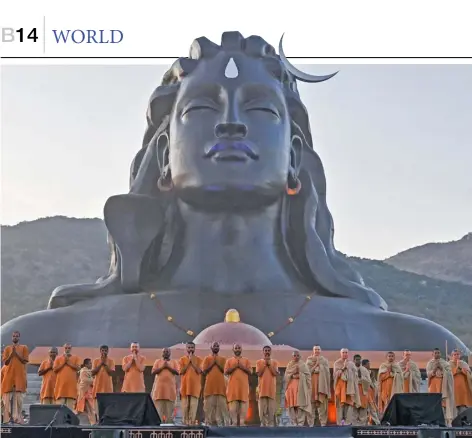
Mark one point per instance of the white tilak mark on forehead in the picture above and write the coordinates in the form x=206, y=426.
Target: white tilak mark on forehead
x=231, y=70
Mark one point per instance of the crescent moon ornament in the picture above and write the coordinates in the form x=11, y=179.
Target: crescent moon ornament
x=298, y=74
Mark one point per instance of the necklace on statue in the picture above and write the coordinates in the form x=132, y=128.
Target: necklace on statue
x=191, y=333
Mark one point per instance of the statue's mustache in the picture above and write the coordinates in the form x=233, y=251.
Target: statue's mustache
x=232, y=146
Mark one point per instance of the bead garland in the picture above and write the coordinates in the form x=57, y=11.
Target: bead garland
x=191, y=333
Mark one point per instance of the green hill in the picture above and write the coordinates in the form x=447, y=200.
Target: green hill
x=450, y=261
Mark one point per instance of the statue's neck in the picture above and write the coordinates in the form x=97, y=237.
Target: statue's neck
x=231, y=252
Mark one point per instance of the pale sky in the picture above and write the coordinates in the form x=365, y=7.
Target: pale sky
x=395, y=140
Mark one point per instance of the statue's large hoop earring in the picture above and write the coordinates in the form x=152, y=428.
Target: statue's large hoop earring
x=292, y=191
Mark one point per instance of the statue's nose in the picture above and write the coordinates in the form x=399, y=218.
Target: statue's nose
x=231, y=130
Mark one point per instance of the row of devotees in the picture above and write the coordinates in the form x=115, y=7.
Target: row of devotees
x=359, y=397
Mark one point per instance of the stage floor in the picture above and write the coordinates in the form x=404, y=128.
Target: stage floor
x=26, y=431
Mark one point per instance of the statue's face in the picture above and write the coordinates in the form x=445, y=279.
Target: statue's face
x=230, y=133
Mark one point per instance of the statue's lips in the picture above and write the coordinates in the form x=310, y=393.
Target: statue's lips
x=231, y=156
x=236, y=152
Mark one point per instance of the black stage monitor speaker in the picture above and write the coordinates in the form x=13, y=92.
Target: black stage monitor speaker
x=54, y=415
x=414, y=410
x=127, y=409
x=463, y=419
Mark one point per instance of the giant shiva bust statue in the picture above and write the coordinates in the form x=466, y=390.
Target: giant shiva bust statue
x=226, y=209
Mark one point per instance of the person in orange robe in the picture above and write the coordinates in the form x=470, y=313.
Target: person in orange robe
x=320, y=387
x=66, y=367
x=360, y=413
x=297, y=379
x=190, y=367
x=441, y=380
x=15, y=357
x=103, y=369
x=390, y=381
x=462, y=382
x=46, y=395
x=214, y=392
x=85, y=402
x=1, y=380
x=372, y=412
x=267, y=369
x=346, y=390
x=238, y=369
x=164, y=390
x=134, y=365
x=411, y=373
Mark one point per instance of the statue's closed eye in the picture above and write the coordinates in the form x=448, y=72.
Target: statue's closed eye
x=262, y=106
x=198, y=105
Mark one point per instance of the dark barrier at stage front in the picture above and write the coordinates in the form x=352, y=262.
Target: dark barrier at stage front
x=229, y=432
x=42, y=432
x=280, y=432
x=150, y=432
x=102, y=432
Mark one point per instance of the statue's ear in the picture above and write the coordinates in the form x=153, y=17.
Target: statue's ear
x=133, y=221
x=296, y=151
x=162, y=146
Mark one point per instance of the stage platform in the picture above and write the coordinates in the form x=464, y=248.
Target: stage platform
x=26, y=431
